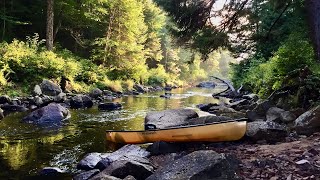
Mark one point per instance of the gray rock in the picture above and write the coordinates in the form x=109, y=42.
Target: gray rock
x=102, y=176
x=266, y=130
x=170, y=118
x=81, y=101
x=37, y=101
x=110, y=106
x=206, y=107
x=140, y=88
x=49, y=171
x=198, y=165
x=161, y=147
x=127, y=150
x=47, y=99
x=5, y=99
x=61, y=97
x=1, y=114
x=287, y=117
x=37, y=90
x=308, y=122
x=13, y=108
x=95, y=93
x=207, y=120
x=86, y=175
x=254, y=116
x=207, y=84
x=49, y=88
x=136, y=166
x=273, y=114
x=91, y=160
x=52, y=114
x=225, y=111
x=129, y=178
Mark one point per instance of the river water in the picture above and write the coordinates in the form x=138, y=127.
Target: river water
x=25, y=149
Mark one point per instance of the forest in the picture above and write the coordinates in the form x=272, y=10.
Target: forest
x=105, y=44
x=114, y=44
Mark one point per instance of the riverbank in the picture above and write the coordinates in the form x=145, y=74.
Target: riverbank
x=48, y=92
x=279, y=144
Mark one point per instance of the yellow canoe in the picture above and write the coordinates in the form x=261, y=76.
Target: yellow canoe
x=227, y=131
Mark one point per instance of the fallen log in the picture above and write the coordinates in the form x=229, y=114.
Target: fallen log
x=232, y=92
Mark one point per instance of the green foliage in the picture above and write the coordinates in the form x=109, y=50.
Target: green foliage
x=263, y=76
x=158, y=76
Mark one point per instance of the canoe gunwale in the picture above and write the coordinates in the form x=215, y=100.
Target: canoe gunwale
x=182, y=127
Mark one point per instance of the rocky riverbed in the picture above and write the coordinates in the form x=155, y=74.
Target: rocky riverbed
x=280, y=143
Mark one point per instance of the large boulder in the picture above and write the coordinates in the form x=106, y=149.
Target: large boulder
x=49, y=88
x=170, y=118
x=5, y=99
x=52, y=114
x=266, y=130
x=95, y=93
x=308, y=122
x=128, y=150
x=136, y=166
x=204, y=164
x=110, y=106
x=81, y=101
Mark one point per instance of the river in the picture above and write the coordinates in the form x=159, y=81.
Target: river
x=25, y=149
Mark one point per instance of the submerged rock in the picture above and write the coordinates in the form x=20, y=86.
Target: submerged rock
x=308, y=122
x=170, y=118
x=49, y=171
x=208, y=84
x=204, y=164
x=52, y=114
x=110, y=106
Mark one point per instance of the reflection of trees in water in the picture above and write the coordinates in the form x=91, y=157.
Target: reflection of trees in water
x=26, y=148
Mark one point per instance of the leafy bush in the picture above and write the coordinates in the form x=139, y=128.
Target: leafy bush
x=158, y=76
x=263, y=77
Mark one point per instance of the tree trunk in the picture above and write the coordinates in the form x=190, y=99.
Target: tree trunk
x=313, y=8
x=49, y=33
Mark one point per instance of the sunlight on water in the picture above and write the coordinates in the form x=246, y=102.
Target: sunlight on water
x=26, y=148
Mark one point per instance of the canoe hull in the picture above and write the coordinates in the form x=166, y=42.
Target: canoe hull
x=229, y=131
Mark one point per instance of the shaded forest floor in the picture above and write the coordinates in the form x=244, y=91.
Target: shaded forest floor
x=297, y=158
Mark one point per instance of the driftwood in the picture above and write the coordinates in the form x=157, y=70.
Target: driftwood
x=230, y=91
